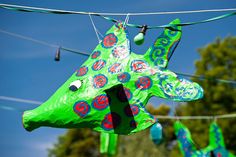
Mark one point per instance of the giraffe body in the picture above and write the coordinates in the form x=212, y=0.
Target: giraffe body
x=110, y=89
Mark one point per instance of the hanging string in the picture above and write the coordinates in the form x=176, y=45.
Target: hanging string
x=175, y=112
x=173, y=105
x=95, y=29
x=54, y=11
x=126, y=20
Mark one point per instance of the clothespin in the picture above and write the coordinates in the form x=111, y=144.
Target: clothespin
x=58, y=55
x=214, y=119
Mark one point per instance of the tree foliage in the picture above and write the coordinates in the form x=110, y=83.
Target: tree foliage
x=76, y=143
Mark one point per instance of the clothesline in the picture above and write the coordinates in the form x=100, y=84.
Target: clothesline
x=207, y=78
x=87, y=54
x=28, y=38
x=42, y=42
x=56, y=11
x=9, y=6
x=20, y=100
x=198, y=117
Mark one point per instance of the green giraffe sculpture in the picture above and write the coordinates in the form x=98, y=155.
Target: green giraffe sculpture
x=216, y=147
x=108, y=93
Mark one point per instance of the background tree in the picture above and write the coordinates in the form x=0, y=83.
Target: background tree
x=218, y=60
x=76, y=143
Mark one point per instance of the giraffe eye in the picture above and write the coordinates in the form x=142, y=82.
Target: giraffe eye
x=74, y=86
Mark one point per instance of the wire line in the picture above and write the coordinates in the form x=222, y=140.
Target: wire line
x=207, y=78
x=57, y=11
x=20, y=100
x=9, y=108
x=233, y=115
x=28, y=38
x=42, y=42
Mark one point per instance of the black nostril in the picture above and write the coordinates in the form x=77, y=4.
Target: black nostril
x=73, y=88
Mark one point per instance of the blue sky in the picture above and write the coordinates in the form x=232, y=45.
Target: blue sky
x=28, y=70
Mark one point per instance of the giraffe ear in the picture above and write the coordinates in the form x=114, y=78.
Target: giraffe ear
x=161, y=51
x=184, y=138
x=216, y=136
